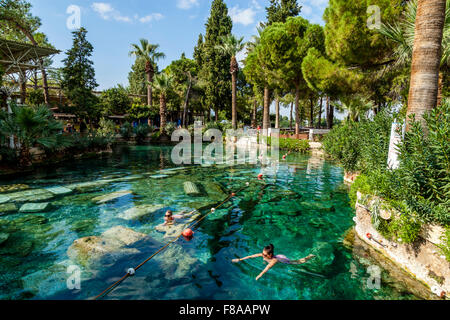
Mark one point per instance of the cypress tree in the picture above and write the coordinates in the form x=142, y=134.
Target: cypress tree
x=79, y=76
x=216, y=64
x=280, y=10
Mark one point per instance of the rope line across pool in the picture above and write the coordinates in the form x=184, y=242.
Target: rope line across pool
x=132, y=271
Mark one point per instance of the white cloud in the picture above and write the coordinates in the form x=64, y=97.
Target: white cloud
x=151, y=17
x=317, y=3
x=256, y=5
x=242, y=16
x=306, y=9
x=107, y=12
x=186, y=4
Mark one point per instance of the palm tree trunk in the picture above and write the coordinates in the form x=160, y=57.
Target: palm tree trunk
x=266, y=115
x=297, y=109
x=423, y=93
x=149, y=89
x=311, y=113
x=440, y=87
x=255, y=105
x=233, y=101
x=277, y=112
x=290, y=119
x=162, y=114
x=330, y=114
x=320, y=113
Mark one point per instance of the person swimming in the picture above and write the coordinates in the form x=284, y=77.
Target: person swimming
x=170, y=218
x=272, y=259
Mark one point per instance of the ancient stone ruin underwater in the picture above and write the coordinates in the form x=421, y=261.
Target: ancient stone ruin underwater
x=96, y=218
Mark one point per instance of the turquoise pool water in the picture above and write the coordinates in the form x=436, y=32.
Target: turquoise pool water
x=301, y=207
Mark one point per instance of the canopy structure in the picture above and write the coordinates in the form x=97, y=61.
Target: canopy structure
x=19, y=58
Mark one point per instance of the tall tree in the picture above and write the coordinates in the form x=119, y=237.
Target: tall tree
x=137, y=78
x=280, y=10
x=232, y=46
x=426, y=57
x=79, y=76
x=216, y=63
x=163, y=85
x=16, y=16
x=148, y=52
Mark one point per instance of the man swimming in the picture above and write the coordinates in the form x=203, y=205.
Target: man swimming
x=271, y=259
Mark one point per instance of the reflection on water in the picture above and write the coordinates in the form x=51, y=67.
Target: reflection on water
x=301, y=207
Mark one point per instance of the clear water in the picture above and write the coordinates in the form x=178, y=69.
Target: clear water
x=301, y=204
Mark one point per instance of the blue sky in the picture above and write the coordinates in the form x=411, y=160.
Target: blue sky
x=173, y=24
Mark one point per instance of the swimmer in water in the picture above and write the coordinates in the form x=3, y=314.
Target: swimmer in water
x=170, y=218
x=271, y=259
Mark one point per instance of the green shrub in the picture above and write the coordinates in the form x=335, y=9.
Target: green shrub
x=126, y=130
x=107, y=128
x=301, y=146
x=360, y=184
x=141, y=132
x=445, y=246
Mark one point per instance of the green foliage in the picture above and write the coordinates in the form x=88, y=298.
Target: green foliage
x=215, y=73
x=360, y=184
x=137, y=77
x=115, y=101
x=107, y=128
x=126, y=130
x=32, y=126
x=361, y=146
x=301, y=146
x=141, y=132
x=35, y=97
x=280, y=10
x=140, y=111
x=445, y=245
x=420, y=187
x=79, y=76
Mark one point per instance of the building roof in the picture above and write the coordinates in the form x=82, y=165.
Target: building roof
x=20, y=56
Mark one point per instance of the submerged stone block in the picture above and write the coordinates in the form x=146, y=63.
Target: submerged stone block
x=35, y=195
x=7, y=208
x=4, y=199
x=139, y=212
x=111, y=196
x=191, y=189
x=159, y=176
x=108, y=247
x=60, y=191
x=34, y=207
x=13, y=187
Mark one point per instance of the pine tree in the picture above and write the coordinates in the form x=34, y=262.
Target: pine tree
x=280, y=10
x=216, y=65
x=79, y=76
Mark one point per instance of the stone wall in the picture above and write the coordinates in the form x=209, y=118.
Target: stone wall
x=422, y=260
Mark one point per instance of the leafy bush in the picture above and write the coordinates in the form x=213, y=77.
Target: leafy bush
x=170, y=128
x=126, y=130
x=361, y=146
x=141, y=132
x=301, y=146
x=107, y=128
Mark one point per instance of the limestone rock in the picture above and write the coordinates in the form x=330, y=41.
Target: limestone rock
x=7, y=208
x=3, y=237
x=175, y=262
x=324, y=259
x=60, y=191
x=159, y=176
x=108, y=247
x=139, y=212
x=111, y=196
x=35, y=195
x=13, y=187
x=35, y=207
x=4, y=199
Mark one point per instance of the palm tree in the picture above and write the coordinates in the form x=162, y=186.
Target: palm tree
x=420, y=41
x=32, y=126
x=163, y=83
x=148, y=52
x=232, y=46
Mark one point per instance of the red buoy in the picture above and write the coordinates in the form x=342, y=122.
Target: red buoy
x=188, y=233
x=369, y=236
x=233, y=194
x=260, y=176
x=284, y=157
